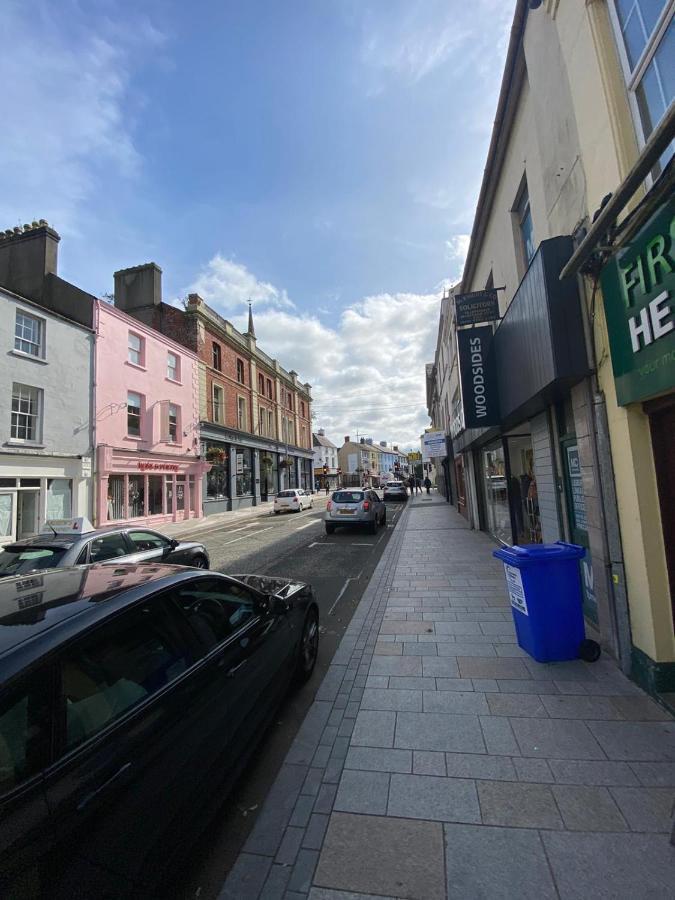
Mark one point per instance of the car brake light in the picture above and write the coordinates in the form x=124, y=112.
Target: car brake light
x=329, y=505
x=366, y=505
x=295, y=499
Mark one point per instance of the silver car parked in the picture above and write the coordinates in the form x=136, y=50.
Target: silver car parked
x=355, y=506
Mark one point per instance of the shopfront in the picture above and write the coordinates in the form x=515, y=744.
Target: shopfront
x=34, y=489
x=152, y=488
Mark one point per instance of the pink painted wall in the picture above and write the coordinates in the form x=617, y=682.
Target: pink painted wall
x=115, y=376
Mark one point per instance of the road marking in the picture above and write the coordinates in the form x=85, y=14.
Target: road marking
x=244, y=536
x=320, y=544
x=363, y=545
x=309, y=524
x=380, y=538
x=339, y=596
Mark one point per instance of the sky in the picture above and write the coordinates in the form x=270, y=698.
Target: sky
x=320, y=157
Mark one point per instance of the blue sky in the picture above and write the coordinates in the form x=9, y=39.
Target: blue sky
x=321, y=156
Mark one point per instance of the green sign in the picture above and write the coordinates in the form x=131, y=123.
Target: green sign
x=638, y=287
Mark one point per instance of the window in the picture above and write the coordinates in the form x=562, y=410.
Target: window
x=302, y=408
x=261, y=384
x=241, y=413
x=17, y=561
x=217, y=361
x=173, y=423
x=524, y=217
x=269, y=388
x=26, y=412
x=115, y=497
x=289, y=401
x=136, y=501
x=118, y=666
x=262, y=421
x=240, y=372
x=646, y=35
x=133, y=414
x=218, y=404
x=59, y=494
x=28, y=333
x=24, y=731
x=173, y=367
x=148, y=540
x=270, y=424
x=108, y=546
x=155, y=486
x=135, y=345
x=218, y=479
x=215, y=608
x=244, y=472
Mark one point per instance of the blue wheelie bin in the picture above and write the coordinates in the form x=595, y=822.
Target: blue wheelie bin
x=545, y=590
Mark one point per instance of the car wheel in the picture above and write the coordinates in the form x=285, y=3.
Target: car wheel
x=276, y=512
x=200, y=562
x=383, y=520
x=329, y=528
x=308, y=650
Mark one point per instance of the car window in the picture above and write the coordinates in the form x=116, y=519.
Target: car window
x=286, y=494
x=348, y=496
x=24, y=730
x=147, y=540
x=215, y=608
x=119, y=665
x=84, y=556
x=108, y=546
x=28, y=559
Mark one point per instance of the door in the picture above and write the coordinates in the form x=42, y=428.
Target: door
x=7, y=517
x=662, y=424
x=130, y=728
x=27, y=514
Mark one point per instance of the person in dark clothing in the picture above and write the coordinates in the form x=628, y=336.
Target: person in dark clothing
x=411, y=485
x=418, y=486
x=427, y=484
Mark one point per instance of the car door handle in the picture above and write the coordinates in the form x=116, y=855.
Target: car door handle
x=103, y=787
x=233, y=671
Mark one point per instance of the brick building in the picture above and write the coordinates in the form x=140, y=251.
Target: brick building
x=254, y=422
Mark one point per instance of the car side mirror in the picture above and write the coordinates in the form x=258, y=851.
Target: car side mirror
x=174, y=543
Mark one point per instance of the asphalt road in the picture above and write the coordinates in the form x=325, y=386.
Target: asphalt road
x=339, y=568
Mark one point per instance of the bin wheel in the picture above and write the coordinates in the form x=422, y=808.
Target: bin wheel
x=589, y=650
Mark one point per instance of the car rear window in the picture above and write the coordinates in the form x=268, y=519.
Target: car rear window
x=286, y=494
x=394, y=484
x=348, y=496
x=28, y=559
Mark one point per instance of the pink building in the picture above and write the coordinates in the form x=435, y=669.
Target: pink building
x=146, y=424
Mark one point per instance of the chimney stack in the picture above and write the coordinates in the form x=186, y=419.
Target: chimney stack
x=347, y=441
x=27, y=255
x=139, y=289
x=321, y=432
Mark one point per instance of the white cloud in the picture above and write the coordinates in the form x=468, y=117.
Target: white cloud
x=65, y=109
x=366, y=368
x=228, y=284
x=457, y=248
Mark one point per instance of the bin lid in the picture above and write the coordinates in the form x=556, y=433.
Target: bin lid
x=533, y=554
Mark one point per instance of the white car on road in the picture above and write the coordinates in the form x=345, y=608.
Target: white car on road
x=292, y=501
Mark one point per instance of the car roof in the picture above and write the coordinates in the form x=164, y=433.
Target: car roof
x=31, y=606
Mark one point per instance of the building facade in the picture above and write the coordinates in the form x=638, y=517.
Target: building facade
x=326, y=468
x=254, y=417
x=146, y=402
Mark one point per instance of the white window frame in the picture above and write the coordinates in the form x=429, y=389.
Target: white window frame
x=241, y=413
x=140, y=414
x=172, y=372
x=132, y=350
x=634, y=77
x=172, y=429
x=262, y=421
x=217, y=407
x=38, y=396
x=40, y=345
x=270, y=424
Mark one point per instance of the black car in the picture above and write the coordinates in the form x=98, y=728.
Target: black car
x=130, y=698
x=132, y=544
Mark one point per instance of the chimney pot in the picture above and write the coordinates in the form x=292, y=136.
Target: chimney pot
x=28, y=255
x=347, y=441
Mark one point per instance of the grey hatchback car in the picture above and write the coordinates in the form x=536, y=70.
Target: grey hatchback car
x=355, y=506
x=86, y=544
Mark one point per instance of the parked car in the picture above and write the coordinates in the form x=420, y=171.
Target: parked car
x=292, y=501
x=395, y=490
x=131, y=697
x=355, y=506
x=77, y=542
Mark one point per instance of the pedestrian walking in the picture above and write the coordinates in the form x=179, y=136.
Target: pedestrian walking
x=411, y=485
x=327, y=488
x=427, y=484
x=418, y=486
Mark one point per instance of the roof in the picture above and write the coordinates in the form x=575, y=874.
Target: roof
x=320, y=440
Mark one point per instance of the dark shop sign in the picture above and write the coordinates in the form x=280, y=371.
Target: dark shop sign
x=478, y=306
x=479, y=382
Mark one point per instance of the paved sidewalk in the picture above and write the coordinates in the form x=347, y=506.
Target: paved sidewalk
x=438, y=760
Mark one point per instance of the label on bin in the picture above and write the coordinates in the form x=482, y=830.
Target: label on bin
x=514, y=583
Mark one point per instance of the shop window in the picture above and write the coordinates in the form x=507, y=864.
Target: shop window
x=218, y=479
x=216, y=357
x=29, y=334
x=173, y=366
x=241, y=378
x=241, y=413
x=244, y=472
x=155, y=484
x=292, y=474
x=133, y=414
x=6, y=514
x=523, y=490
x=168, y=493
x=136, y=502
x=115, y=497
x=26, y=413
x=218, y=404
x=495, y=488
x=646, y=37
x=59, y=498
x=180, y=492
x=136, y=349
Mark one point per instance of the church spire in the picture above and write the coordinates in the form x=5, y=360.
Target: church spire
x=251, y=329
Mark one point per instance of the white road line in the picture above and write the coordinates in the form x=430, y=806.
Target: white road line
x=244, y=536
x=339, y=596
x=309, y=524
x=363, y=545
x=319, y=544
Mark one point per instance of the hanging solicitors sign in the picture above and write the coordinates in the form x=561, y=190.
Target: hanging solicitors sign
x=478, y=377
x=478, y=306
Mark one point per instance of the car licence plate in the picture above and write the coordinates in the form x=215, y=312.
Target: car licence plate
x=347, y=512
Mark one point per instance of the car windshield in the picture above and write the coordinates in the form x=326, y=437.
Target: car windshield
x=286, y=494
x=27, y=559
x=348, y=496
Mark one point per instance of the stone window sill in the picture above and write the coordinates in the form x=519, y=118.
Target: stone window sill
x=22, y=355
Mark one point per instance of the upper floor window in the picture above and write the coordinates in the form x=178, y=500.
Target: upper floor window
x=133, y=414
x=302, y=408
x=218, y=403
x=241, y=413
x=270, y=424
x=525, y=228
x=217, y=359
x=26, y=413
x=173, y=423
x=28, y=334
x=289, y=400
x=173, y=366
x=135, y=345
x=262, y=421
x=269, y=388
x=240, y=372
x=646, y=35
x=261, y=384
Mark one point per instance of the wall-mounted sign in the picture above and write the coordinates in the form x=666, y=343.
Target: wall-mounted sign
x=478, y=376
x=638, y=287
x=164, y=467
x=240, y=463
x=576, y=481
x=478, y=306
x=433, y=445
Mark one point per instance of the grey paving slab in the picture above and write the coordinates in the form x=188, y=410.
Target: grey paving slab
x=573, y=771
x=377, y=681
x=479, y=765
x=420, y=649
x=556, y=739
x=303, y=871
x=446, y=667
x=585, y=808
x=315, y=831
x=535, y=770
x=518, y=805
x=362, y=792
x=496, y=864
x=396, y=665
x=640, y=709
x=529, y=686
x=458, y=702
x=374, y=728
x=246, y=878
x=388, y=649
x=452, y=627
x=465, y=648
x=472, y=667
x=428, y=762
x=376, y=759
x=383, y=856
x=623, y=866
x=567, y=707
x=498, y=736
x=392, y=699
x=302, y=811
x=412, y=683
x=312, y=782
x=456, y=684
x=309, y=735
x=290, y=844
x=643, y=742
x=434, y=731
x=325, y=798
x=646, y=809
x=323, y=894
x=393, y=627
x=276, y=883
x=530, y=705
x=433, y=798
x=487, y=685
x=269, y=827
x=574, y=670
x=654, y=774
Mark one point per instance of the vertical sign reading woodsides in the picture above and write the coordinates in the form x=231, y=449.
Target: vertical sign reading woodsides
x=478, y=377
